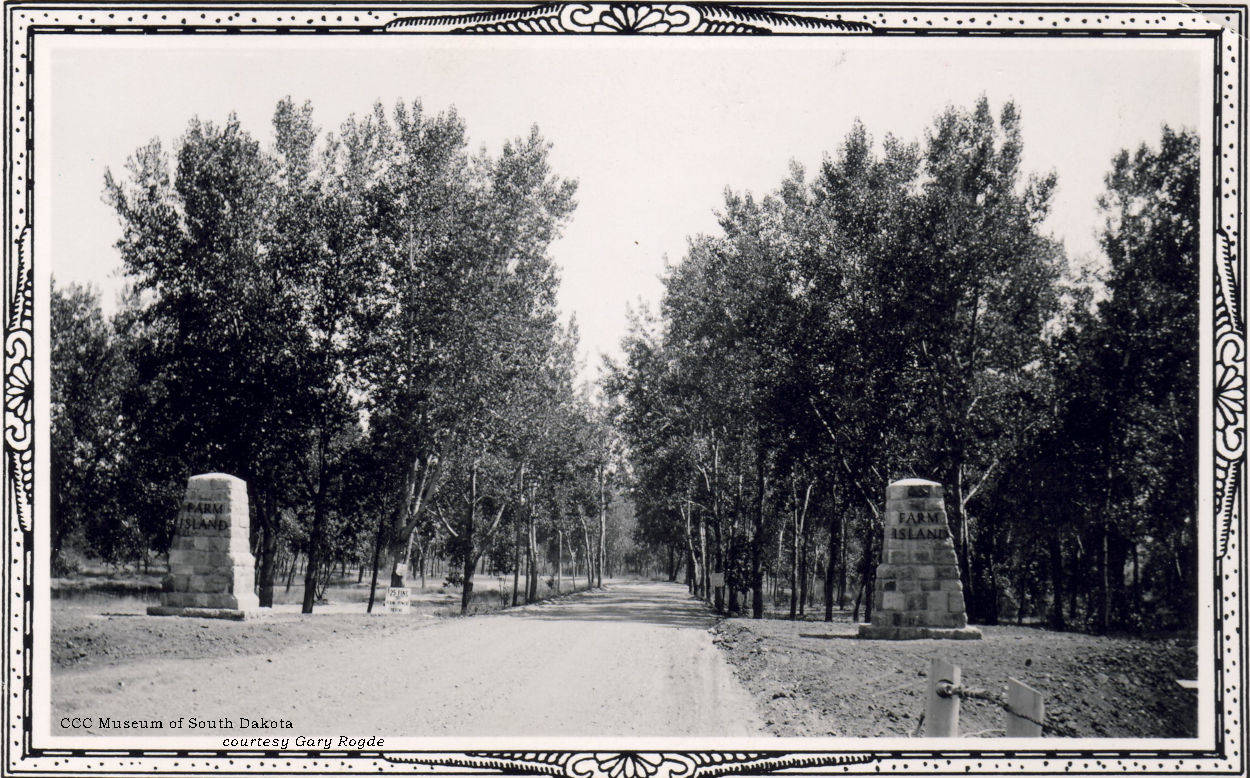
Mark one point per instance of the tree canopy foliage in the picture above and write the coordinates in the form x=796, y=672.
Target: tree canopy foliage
x=361, y=324
x=904, y=313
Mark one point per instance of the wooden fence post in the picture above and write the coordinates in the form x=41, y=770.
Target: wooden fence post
x=1023, y=701
x=941, y=714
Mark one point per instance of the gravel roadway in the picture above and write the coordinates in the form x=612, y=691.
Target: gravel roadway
x=635, y=659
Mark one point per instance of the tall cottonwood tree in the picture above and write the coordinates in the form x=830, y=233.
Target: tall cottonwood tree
x=849, y=374
x=470, y=298
x=89, y=441
x=217, y=310
x=322, y=231
x=1145, y=359
x=980, y=288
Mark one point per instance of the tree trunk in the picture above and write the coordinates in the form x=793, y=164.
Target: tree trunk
x=314, y=555
x=804, y=589
x=706, y=583
x=718, y=592
x=842, y=561
x=781, y=546
x=794, y=560
x=835, y=516
x=532, y=593
x=587, y=548
x=377, y=554
x=693, y=577
x=959, y=522
x=718, y=595
x=268, y=552
x=1117, y=560
x=1104, y=568
x=757, y=541
x=529, y=567
x=603, y=524
x=1054, y=550
x=869, y=565
x=516, y=559
x=420, y=485
x=466, y=543
x=1137, y=600
x=466, y=591
x=1073, y=616
x=1189, y=558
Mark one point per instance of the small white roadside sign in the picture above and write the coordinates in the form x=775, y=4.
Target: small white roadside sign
x=398, y=599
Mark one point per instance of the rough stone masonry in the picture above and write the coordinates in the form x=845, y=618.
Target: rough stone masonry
x=917, y=593
x=210, y=560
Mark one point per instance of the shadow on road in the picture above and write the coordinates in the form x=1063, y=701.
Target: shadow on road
x=660, y=603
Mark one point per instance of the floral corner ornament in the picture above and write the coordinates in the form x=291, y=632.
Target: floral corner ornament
x=626, y=18
x=628, y=765
x=1230, y=390
x=637, y=19
x=19, y=385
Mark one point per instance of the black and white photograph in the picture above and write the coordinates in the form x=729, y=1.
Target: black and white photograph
x=625, y=390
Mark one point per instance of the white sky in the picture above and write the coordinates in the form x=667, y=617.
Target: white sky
x=653, y=128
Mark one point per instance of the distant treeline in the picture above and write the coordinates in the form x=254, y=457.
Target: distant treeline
x=362, y=325
x=905, y=313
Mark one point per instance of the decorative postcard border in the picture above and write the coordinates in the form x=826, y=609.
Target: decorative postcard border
x=1225, y=27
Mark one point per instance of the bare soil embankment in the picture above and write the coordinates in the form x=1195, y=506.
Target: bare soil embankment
x=812, y=678
x=87, y=640
x=104, y=630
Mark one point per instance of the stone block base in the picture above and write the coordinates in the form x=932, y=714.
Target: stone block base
x=245, y=601
x=234, y=614
x=875, y=632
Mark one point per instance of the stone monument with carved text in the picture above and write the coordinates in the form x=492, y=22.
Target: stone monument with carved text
x=917, y=592
x=211, y=568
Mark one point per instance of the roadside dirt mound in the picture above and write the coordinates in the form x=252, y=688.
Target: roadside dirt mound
x=813, y=678
x=84, y=640
x=83, y=637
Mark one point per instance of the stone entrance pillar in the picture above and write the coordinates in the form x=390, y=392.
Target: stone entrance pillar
x=917, y=593
x=210, y=560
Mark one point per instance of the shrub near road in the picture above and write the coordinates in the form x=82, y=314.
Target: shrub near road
x=816, y=679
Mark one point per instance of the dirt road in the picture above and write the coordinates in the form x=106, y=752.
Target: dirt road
x=636, y=659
